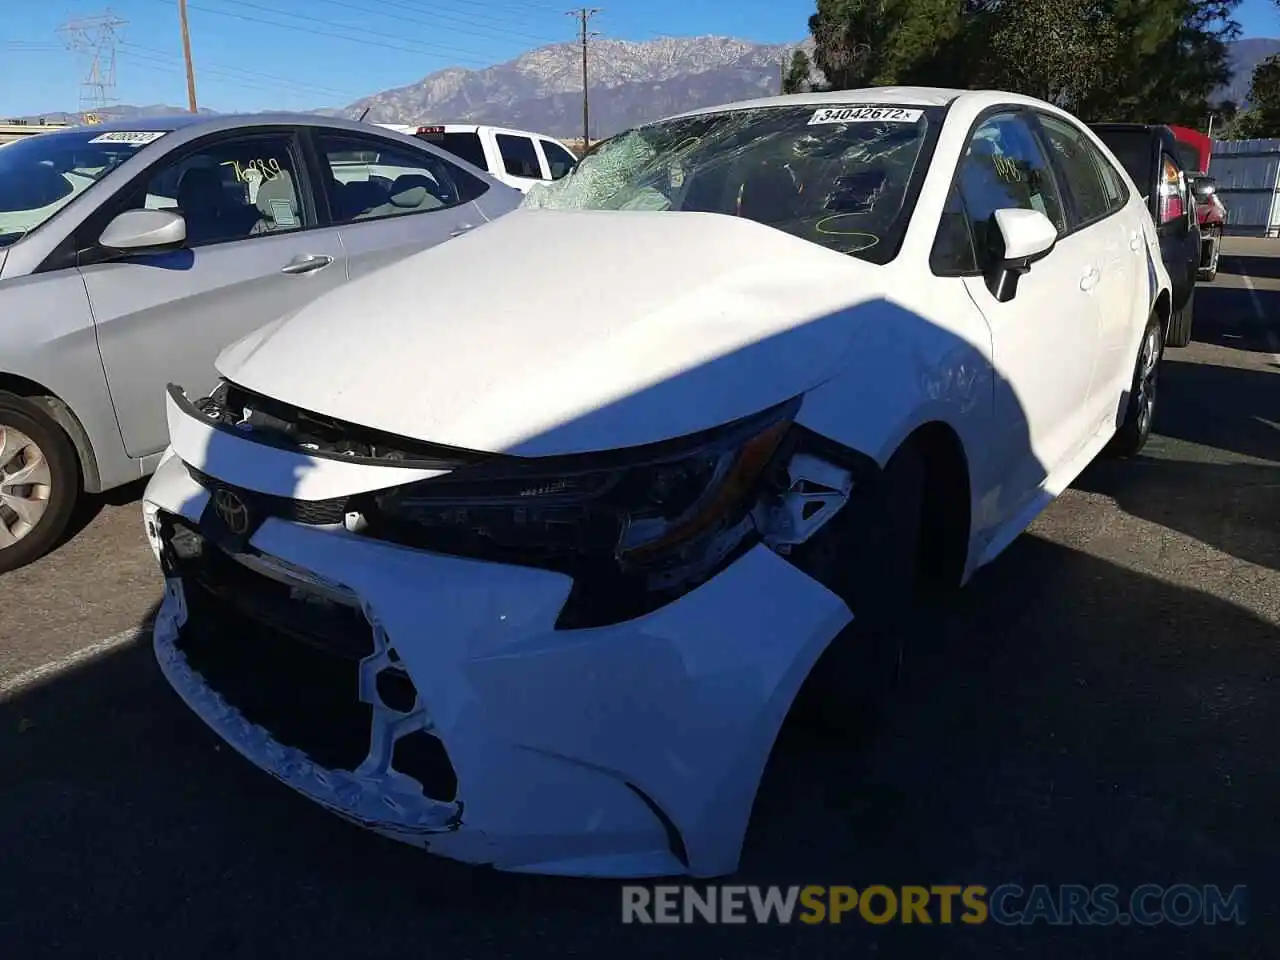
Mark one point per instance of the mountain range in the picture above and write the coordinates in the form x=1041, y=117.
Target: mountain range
x=631, y=83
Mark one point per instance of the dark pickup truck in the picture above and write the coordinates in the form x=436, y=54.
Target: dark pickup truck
x=1149, y=153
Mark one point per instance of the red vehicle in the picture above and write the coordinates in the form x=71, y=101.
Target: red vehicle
x=1195, y=152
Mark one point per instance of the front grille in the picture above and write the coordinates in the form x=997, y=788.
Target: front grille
x=264, y=505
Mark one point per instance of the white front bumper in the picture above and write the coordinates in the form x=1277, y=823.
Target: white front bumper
x=557, y=737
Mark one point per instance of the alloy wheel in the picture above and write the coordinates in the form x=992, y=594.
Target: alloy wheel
x=25, y=485
x=1148, y=379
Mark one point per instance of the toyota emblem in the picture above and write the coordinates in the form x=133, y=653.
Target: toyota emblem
x=232, y=511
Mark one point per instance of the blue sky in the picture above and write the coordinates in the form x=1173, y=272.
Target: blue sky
x=255, y=54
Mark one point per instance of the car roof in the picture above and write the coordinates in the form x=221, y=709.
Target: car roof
x=904, y=96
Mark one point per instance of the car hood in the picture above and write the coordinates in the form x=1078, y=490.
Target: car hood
x=556, y=332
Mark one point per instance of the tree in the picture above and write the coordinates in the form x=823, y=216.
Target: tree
x=1061, y=51
x=863, y=43
x=796, y=79
x=1139, y=60
x=1262, y=119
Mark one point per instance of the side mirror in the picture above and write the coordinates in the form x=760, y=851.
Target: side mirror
x=1018, y=238
x=152, y=231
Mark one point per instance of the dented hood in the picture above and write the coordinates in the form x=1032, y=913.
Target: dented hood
x=554, y=332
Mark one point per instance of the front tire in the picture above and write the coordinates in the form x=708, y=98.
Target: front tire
x=869, y=555
x=1140, y=411
x=39, y=482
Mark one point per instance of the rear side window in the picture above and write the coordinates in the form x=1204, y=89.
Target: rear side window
x=559, y=160
x=1071, y=153
x=519, y=156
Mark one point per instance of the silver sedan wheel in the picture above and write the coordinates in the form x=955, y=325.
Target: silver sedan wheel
x=25, y=485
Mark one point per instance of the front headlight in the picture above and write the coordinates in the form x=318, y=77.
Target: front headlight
x=662, y=507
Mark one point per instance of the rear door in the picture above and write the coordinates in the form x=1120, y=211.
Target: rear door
x=1096, y=203
x=255, y=251
x=390, y=199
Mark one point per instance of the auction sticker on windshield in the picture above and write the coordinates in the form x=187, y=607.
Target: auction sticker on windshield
x=133, y=138
x=865, y=115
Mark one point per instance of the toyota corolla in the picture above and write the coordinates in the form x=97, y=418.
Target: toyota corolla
x=521, y=549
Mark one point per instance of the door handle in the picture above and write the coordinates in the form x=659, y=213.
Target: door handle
x=460, y=229
x=306, y=263
x=1135, y=241
x=1090, y=278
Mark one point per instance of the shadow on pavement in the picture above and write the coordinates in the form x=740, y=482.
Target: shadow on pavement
x=1228, y=317
x=90, y=506
x=1259, y=268
x=1066, y=721
x=1231, y=506
x=1228, y=408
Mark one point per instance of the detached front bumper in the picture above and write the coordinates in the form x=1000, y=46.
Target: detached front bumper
x=624, y=751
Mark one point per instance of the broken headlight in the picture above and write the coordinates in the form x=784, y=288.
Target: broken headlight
x=663, y=512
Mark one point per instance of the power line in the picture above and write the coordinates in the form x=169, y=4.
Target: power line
x=584, y=15
x=171, y=64
x=261, y=80
x=467, y=19
x=94, y=39
x=383, y=41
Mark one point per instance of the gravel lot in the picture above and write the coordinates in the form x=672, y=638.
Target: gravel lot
x=1094, y=709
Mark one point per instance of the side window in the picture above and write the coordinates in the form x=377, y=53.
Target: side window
x=370, y=178
x=519, y=156
x=953, y=252
x=232, y=190
x=1112, y=183
x=559, y=160
x=1004, y=167
x=1071, y=154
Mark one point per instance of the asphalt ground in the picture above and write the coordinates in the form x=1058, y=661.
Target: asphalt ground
x=1098, y=707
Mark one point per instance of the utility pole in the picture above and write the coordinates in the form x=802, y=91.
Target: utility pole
x=186, y=55
x=584, y=16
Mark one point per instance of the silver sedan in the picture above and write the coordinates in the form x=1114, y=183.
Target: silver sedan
x=131, y=253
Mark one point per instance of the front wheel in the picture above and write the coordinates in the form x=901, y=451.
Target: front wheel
x=39, y=482
x=1140, y=411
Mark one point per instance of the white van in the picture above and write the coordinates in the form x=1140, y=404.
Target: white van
x=515, y=157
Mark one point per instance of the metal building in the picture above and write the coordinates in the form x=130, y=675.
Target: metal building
x=1248, y=177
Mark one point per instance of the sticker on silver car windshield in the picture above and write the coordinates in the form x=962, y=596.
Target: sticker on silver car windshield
x=131, y=138
x=865, y=115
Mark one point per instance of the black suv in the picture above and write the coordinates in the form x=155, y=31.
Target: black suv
x=1149, y=154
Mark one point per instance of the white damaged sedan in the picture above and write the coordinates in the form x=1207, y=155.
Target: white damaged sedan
x=521, y=549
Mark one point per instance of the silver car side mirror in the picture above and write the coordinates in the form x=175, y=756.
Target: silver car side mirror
x=151, y=230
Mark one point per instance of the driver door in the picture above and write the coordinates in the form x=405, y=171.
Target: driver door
x=1044, y=340
x=254, y=253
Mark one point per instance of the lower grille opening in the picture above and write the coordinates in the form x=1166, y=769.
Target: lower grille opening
x=304, y=697
x=291, y=667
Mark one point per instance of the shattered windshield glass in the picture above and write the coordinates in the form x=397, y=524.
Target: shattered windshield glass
x=843, y=176
x=41, y=174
